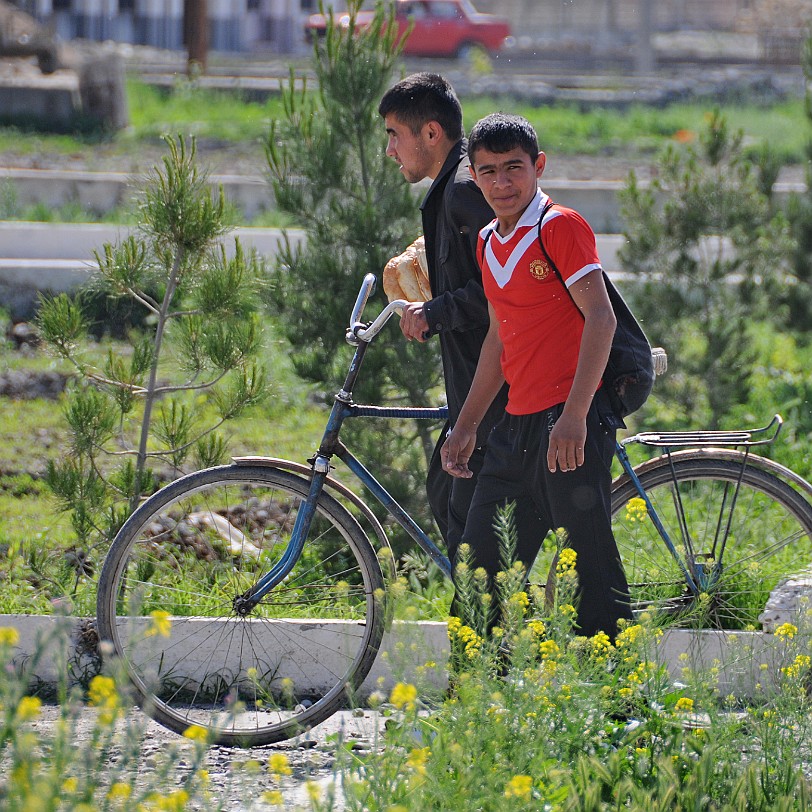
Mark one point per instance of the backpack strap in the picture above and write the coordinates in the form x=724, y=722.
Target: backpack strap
x=547, y=206
x=481, y=254
x=547, y=256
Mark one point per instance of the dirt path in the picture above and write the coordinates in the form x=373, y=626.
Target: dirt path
x=240, y=777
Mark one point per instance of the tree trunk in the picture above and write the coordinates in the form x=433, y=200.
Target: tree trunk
x=196, y=35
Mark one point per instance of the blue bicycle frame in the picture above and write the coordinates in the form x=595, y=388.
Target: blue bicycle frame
x=360, y=335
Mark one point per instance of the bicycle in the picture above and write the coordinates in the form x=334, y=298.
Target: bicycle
x=277, y=595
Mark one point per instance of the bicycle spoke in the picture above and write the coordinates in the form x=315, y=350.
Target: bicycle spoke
x=746, y=531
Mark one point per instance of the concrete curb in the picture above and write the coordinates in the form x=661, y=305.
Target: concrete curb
x=742, y=663
x=101, y=192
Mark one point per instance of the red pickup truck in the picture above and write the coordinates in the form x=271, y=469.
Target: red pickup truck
x=440, y=27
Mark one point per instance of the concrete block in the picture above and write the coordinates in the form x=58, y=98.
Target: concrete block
x=745, y=664
x=101, y=192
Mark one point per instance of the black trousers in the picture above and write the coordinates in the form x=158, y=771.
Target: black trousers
x=515, y=470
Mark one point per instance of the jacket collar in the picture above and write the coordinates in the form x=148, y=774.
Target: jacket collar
x=455, y=155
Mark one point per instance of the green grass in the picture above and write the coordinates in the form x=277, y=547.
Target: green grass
x=228, y=117
x=643, y=130
x=224, y=119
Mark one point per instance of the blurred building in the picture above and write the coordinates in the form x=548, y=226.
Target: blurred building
x=234, y=25
x=277, y=25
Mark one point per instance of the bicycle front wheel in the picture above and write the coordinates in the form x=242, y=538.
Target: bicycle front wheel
x=167, y=603
x=738, y=529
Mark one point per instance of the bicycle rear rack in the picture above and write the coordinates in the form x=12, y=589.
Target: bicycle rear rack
x=708, y=439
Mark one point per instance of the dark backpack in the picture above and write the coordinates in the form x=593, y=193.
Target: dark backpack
x=629, y=375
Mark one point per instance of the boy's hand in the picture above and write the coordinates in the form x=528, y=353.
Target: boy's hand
x=456, y=451
x=567, y=441
x=413, y=323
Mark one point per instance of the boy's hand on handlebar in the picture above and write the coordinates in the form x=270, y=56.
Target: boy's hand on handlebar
x=413, y=323
x=456, y=451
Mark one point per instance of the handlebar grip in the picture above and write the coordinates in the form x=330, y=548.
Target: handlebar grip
x=367, y=289
x=660, y=359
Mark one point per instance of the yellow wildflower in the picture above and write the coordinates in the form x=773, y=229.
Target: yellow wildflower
x=70, y=785
x=636, y=510
x=549, y=649
x=403, y=695
x=9, y=636
x=161, y=625
x=798, y=666
x=417, y=759
x=196, y=733
x=685, y=704
x=786, y=630
x=566, y=562
x=521, y=600
x=520, y=786
x=102, y=691
x=313, y=791
x=601, y=646
x=119, y=791
x=274, y=798
x=278, y=764
x=28, y=708
x=629, y=636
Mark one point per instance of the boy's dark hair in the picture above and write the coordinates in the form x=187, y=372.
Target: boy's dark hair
x=424, y=97
x=502, y=132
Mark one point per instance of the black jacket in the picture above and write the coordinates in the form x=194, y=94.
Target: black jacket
x=454, y=211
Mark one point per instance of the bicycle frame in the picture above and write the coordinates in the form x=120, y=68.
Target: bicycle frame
x=697, y=578
x=331, y=446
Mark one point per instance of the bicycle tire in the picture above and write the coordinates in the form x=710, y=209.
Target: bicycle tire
x=188, y=551
x=769, y=537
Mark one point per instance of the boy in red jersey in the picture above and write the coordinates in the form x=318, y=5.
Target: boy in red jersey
x=549, y=338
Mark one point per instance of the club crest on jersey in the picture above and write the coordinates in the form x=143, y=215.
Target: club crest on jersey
x=539, y=269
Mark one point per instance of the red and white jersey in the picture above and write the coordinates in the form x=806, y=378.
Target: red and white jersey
x=539, y=325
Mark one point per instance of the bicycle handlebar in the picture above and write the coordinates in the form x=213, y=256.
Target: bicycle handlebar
x=357, y=330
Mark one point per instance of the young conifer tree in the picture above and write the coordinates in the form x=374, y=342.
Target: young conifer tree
x=329, y=170
x=707, y=251
x=191, y=367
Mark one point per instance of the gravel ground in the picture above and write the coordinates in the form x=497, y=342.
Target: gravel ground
x=236, y=784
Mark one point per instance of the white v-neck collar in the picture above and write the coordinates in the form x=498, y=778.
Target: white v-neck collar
x=530, y=217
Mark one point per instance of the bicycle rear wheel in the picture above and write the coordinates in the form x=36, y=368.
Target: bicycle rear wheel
x=745, y=530
x=195, y=546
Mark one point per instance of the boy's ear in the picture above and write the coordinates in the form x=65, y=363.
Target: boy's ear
x=541, y=162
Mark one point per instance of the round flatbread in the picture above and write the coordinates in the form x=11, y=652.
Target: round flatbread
x=406, y=275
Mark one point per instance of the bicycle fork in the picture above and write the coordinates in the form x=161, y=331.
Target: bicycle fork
x=243, y=604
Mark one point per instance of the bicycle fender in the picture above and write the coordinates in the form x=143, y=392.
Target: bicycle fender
x=728, y=455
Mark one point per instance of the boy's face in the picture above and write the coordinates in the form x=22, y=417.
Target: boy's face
x=410, y=150
x=508, y=180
